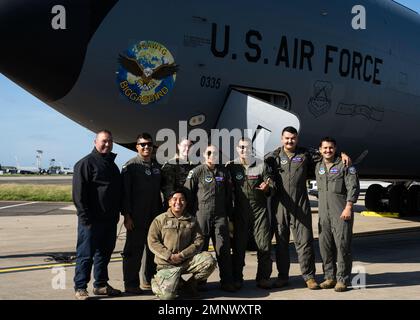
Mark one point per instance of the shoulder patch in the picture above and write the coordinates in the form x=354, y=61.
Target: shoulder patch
x=352, y=170
x=190, y=174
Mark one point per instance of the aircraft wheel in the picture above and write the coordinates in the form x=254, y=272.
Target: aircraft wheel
x=414, y=200
x=374, y=194
x=398, y=199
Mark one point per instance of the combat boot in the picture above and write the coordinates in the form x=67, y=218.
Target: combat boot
x=264, y=284
x=340, y=287
x=190, y=288
x=133, y=290
x=280, y=283
x=202, y=286
x=228, y=287
x=312, y=284
x=146, y=286
x=181, y=284
x=81, y=294
x=328, y=284
x=238, y=285
x=107, y=290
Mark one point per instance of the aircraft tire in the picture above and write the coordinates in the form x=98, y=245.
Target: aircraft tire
x=413, y=202
x=398, y=199
x=374, y=194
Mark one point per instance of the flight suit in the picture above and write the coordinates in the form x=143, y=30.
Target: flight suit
x=174, y=175
x=212, y=204
x=142, y=201
x=336, y=187
x=291, y=209
x=169, y=235
x=250, y=216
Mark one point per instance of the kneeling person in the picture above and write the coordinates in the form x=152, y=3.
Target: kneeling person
x=176, y=240
x=338, y=190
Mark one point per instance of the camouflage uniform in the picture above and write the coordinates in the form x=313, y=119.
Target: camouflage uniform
x=212, y=203
x=174, y=175
x=291, y=209
x=169, y=235
x=142, y=201
x=336, y=187
x=250, y=216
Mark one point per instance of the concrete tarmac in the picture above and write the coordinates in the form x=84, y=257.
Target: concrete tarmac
x=386, y=254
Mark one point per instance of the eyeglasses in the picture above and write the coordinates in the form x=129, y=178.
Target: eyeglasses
x=144, y=144
x=243, y=147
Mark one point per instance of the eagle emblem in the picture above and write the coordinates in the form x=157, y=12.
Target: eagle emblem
x=146, y=72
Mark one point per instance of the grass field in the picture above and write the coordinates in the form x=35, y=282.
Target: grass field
x=35, y=192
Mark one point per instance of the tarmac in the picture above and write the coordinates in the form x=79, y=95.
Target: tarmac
x=37, y=242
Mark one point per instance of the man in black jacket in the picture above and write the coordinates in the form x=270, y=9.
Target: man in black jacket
x=97, y=197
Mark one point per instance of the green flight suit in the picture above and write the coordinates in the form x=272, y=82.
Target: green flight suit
x=336, y=187
x=142, y=201
x=250, y=216
x=291, y=209
x=211, y=192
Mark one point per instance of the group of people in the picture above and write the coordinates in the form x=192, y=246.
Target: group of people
x=227, y=203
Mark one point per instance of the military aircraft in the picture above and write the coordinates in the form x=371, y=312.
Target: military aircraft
x=133, y=66
x=26, y=169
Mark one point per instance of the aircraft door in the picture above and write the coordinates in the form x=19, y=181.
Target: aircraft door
x=264, y=120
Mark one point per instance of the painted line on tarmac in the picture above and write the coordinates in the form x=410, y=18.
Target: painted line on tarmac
x=52, y=265
x=18, y=205
x=43, y=266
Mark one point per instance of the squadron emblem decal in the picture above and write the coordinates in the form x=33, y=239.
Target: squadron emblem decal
x=146, y=73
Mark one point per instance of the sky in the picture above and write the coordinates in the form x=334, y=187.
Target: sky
x=27, y=124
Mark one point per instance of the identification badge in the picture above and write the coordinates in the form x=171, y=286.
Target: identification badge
x=334, y=170
x=220, y=179
x=156, y=171
x=297, y=160
x=321, y=171
x=208, y=179
x=148, y=172
x=239, y=176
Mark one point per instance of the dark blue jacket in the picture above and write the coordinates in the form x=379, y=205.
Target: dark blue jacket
x=97, y=187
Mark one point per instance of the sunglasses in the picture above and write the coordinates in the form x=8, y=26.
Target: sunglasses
x=145, y=144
